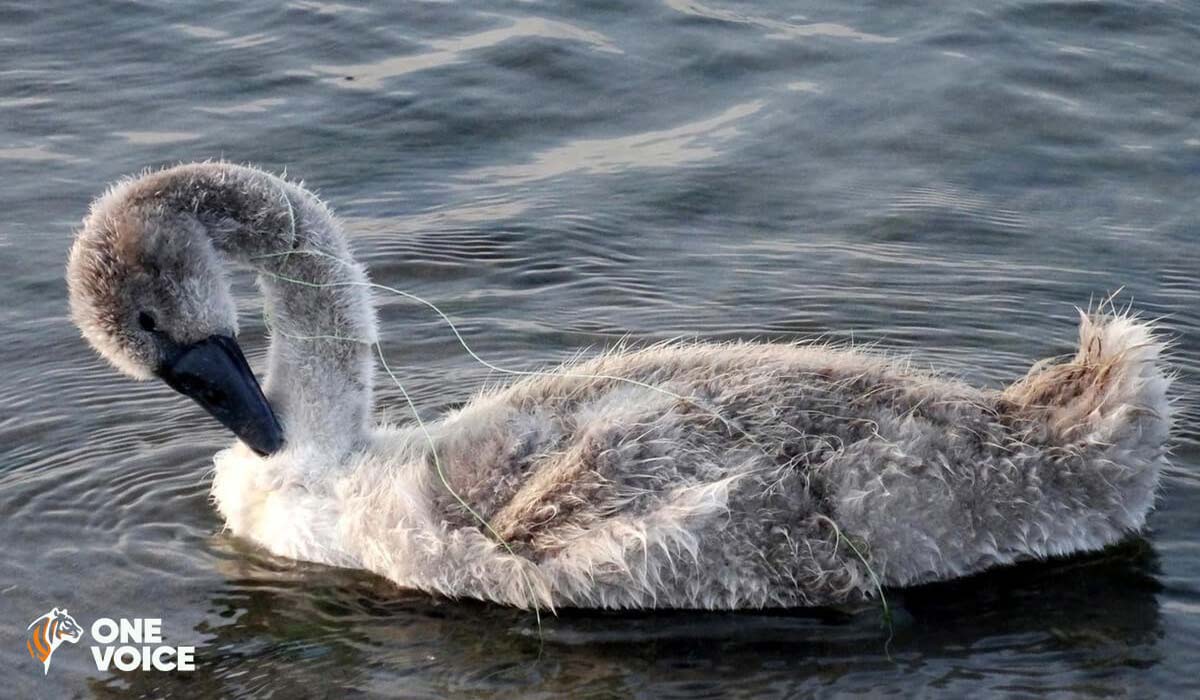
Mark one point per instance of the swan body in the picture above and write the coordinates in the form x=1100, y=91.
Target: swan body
x=678, y=476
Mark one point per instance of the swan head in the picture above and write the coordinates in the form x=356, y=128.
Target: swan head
x=148, y=290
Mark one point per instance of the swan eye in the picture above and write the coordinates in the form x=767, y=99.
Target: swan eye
x=146, y=321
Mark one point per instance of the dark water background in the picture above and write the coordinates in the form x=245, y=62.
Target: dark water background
x=948, y=179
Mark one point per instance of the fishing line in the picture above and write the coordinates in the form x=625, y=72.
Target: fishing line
x=524, y=373
x=434, y=454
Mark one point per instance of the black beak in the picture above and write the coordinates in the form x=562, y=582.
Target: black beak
x=214, y=374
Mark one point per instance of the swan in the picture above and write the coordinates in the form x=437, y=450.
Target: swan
x=679, y=475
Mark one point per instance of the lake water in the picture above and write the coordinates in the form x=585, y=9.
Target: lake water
x=946, y=179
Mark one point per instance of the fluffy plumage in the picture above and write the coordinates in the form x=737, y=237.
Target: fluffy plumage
x=722, y=476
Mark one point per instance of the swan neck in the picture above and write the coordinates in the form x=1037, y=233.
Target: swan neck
x=318, y=309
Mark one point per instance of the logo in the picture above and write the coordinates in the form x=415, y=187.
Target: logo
x=50, y=631
x=127, y=644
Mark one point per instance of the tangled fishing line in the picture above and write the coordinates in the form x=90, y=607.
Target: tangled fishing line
x=438, y=467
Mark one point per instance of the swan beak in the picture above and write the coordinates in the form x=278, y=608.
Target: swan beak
x=214, y=373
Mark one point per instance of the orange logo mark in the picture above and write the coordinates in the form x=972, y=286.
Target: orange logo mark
x=48, y=632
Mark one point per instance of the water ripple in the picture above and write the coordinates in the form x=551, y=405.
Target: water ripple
x=446, y=52
x=667, y=148
x=777, y=29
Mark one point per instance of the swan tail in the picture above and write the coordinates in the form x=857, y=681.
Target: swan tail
x=1113, y=391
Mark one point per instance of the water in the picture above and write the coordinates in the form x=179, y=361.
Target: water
x=946, y=179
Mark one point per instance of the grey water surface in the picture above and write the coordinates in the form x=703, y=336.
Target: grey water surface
x=948, y=180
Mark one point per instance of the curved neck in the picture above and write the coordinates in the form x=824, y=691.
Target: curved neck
x=318, y=307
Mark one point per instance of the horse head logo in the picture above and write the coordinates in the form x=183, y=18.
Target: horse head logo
x=48, y=632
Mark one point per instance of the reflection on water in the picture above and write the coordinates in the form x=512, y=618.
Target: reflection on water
x=281, y=628
x=688, y=143
x=775, y=28
x=946, y=180
x=448, y=51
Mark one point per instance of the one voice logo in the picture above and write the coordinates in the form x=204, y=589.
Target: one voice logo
x=48, y=632
x=127, y=644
